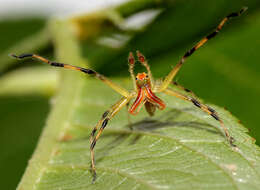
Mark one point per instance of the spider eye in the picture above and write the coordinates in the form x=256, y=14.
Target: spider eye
x=146, y=76
x=136, y=78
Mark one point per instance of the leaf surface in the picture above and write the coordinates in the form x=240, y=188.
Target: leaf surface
x=179, y=147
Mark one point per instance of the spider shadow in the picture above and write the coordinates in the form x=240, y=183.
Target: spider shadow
x=119, y=139
x=153, y=125
x=168, y=120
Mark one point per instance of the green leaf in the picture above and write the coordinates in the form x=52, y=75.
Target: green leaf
x=23, y=118
x=179, y=148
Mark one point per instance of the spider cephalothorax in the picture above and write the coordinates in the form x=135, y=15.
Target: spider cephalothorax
x=145, y=96
x=144, y=89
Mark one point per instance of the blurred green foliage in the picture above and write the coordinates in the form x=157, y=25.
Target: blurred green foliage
x=224, y=72
x=22, y=117
x=21, y=120
x=14, y=31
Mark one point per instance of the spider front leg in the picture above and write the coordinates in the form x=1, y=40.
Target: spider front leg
x=185, y=89
x=144, y=62
x=130, y=124
x=102, y=123
x=131, y=64
x=204, y=108
x=175, y=70
x=105, y=80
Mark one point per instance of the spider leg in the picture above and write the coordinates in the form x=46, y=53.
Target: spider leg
x=108, y=82
x=102, y=123
x=128, y=117
x=175, y=70
x=131, y=64
x=144, y=62
x=204, y=108
x=183, y=88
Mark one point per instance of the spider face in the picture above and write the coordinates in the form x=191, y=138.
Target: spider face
x=142, y=80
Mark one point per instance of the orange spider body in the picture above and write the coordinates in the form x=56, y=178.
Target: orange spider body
x=145, y=96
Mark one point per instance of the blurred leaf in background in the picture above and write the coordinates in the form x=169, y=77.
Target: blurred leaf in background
x=22, y=116
x=224, y=72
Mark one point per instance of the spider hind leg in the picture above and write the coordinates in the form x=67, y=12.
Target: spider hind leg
x=100, y=126
x=206, y=109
